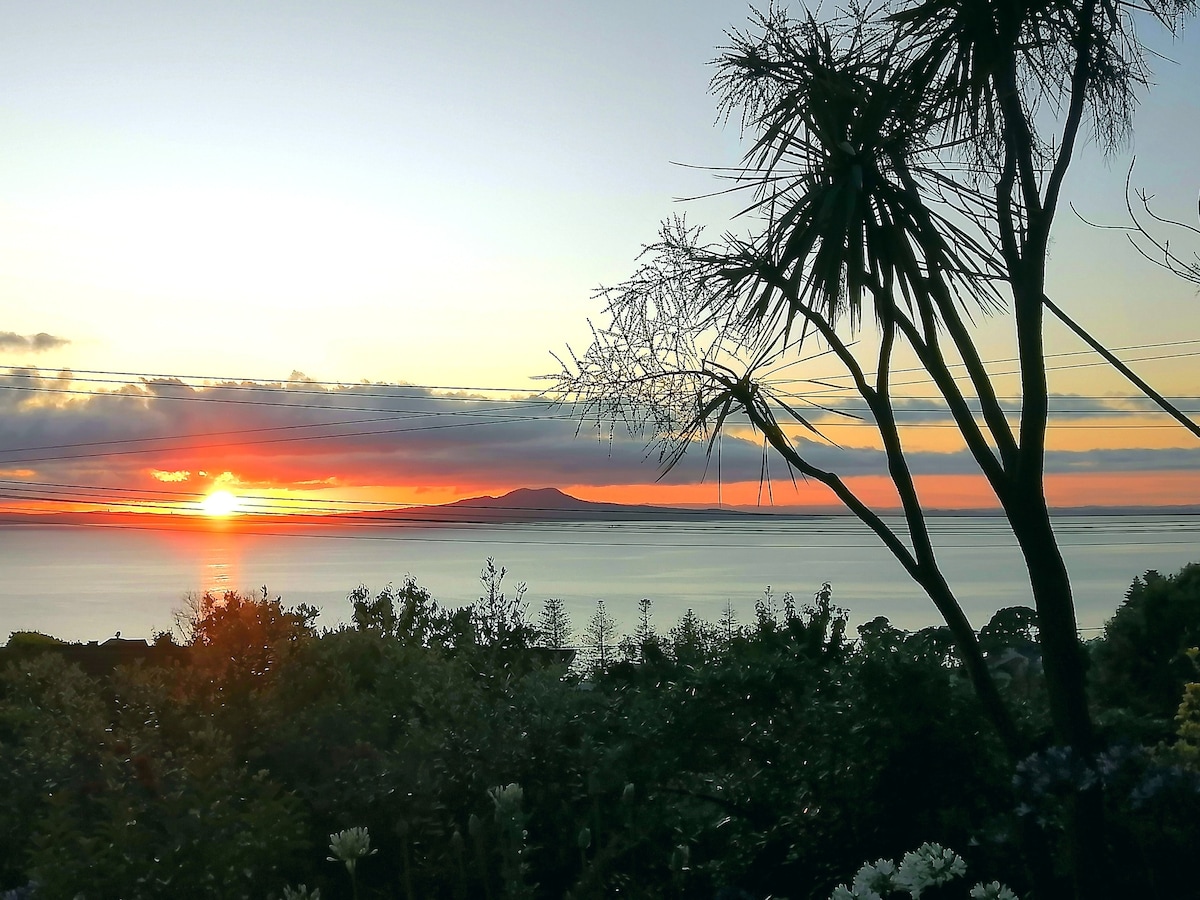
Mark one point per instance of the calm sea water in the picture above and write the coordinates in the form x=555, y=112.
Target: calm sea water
x=88, y=583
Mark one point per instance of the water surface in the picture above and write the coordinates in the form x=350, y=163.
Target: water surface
x=82, y=583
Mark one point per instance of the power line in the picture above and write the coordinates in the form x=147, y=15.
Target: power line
x=13, y=455
x=833, y=389
x=492, y=418
x=744, y=520
x=1009, y=359
x=162, y=382
x=261, y=441
x=192, y=434
x=116, y=395
x=340, y=389
x=219, y=380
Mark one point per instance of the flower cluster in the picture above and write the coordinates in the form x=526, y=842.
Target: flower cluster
x=507, y=799
x=875, y=878
x=930, y=865
x=509, y=815
x=993, y=891
x=871, y=883
x=350, y=846
x=1057, y=769
x=301, y=893
x=1125, y=770
x=1168, y=781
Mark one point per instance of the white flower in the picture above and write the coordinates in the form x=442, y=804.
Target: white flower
x=507, y=798
x=301, y=893
x=993, y=891
x=927, y=866
x=350, y=846
x=875, y=879
x=841, y=892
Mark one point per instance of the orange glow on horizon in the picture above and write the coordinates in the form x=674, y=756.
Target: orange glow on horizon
x=949, y=492
x=936, y=491
x=940, y=492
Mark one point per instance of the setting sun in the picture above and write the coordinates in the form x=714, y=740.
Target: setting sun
x=219, y=503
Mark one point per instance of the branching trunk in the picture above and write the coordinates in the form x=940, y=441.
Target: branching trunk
x=853, y=172
x=923, y=569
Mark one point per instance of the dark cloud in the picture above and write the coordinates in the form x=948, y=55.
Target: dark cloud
x=306, y=432
x=302, y=432
x=33, y=343
x=1064, y=409
x=851, y=461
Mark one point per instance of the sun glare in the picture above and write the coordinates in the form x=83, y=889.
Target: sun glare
x=219, y=503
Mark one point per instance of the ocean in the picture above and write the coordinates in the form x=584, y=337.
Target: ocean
x=89, y=582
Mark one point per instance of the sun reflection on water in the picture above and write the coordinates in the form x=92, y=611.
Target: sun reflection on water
x=220, y=564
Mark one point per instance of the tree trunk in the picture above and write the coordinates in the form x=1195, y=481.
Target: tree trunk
x=1065, y=666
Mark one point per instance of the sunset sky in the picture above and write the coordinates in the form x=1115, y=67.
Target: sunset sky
x=318, y=251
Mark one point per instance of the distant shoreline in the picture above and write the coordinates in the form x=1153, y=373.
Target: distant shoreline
x=521, y=506
x=248, y=521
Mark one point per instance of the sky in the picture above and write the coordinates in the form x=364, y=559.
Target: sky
x=321, y=251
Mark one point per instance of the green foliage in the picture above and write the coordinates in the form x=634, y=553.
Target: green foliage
x=51, y=720
x=1142, y=664
x=408, y=614
x=1011, y=627
x=1186, y=748
x=766, y=760
x=501, y=620
x=32, y=640
x=103, y=798
x=191, y=823
x=245, y=636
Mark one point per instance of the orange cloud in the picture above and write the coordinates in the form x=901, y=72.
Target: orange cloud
x=169, y=477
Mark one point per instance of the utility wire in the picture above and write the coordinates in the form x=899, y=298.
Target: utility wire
x=283, y=382
x=340, y=389
x=743, y=520
x=260, y=441
x=1009, y=359
x=525, y=536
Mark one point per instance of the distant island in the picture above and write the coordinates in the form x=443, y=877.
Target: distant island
x=523, y=505
x=537, y=505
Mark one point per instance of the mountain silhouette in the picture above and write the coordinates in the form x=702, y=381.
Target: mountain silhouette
x=534, y=504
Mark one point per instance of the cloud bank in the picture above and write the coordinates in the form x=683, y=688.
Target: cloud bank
x=298, y=435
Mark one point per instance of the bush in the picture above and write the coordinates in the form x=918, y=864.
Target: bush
x=1141, y=664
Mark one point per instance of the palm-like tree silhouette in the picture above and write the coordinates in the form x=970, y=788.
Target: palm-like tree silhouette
x=896, y=164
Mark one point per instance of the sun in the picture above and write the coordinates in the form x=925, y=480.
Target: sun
x=219, y=503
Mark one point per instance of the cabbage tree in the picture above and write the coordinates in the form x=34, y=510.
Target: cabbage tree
x=905, y=170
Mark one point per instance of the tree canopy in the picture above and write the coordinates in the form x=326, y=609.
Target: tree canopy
x=905, y=167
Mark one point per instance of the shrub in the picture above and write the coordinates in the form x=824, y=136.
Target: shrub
x=1141, y=663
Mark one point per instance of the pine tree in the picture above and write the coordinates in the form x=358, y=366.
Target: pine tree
x=554, y=624
x=599, y=639
x=690, y=638
x=728, y=626
x=644, y=636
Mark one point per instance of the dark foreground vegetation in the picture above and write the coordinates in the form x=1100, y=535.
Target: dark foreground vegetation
x=769, y=759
